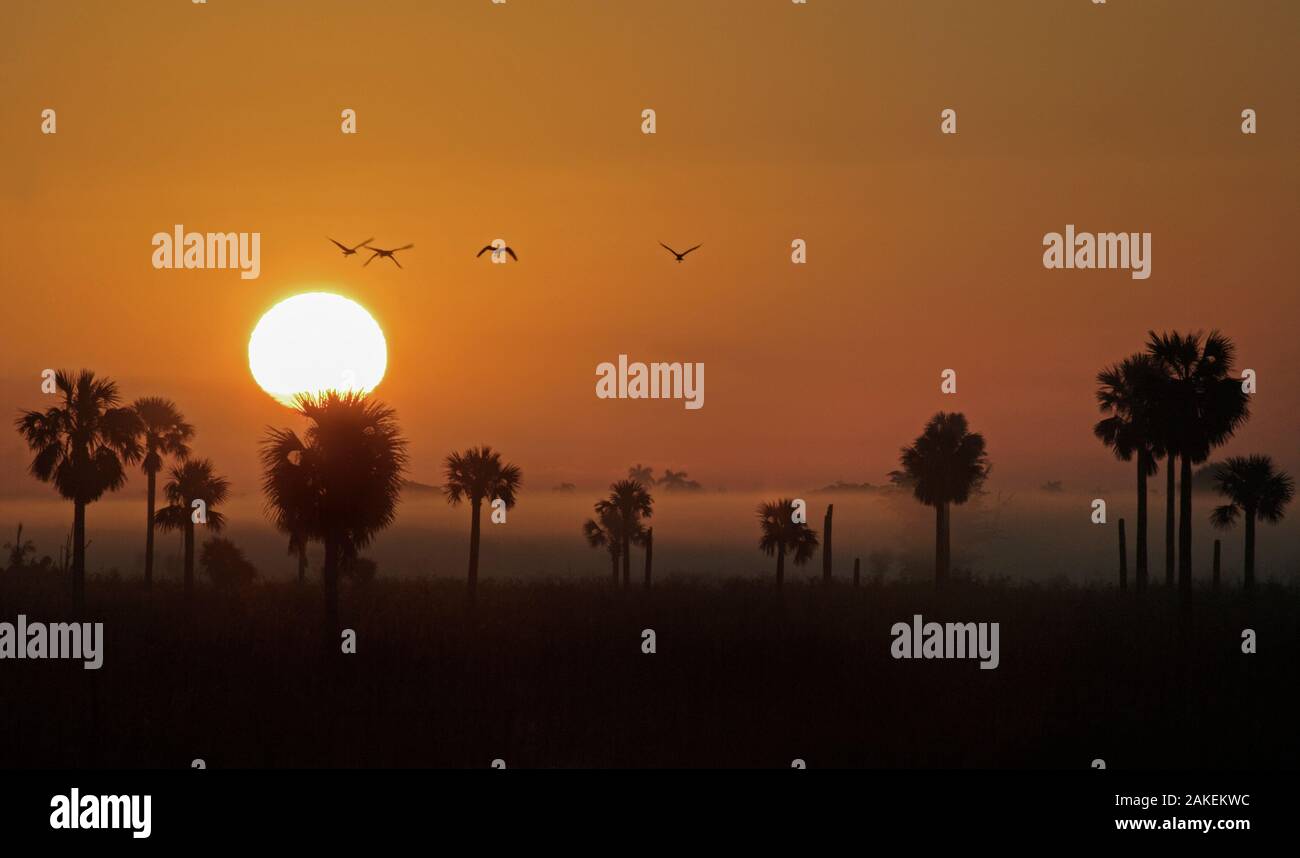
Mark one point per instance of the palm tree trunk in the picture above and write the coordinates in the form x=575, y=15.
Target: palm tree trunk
x=476, y=508
x=649, y=554
x=941, y=544
x=1215, y=579
x=627, y=556
x=1123, y=559
x=1170, y=492
x=1249, y=580
x=302, y=563
x=826, y=545
x=148, y=532
x=330, y=578
x=1140, y=563
x=189, y=558
x=613, y=562
x=780, y=567
x=79, y=552
x=1185, y=527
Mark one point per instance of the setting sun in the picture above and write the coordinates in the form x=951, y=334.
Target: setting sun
x=317, y=342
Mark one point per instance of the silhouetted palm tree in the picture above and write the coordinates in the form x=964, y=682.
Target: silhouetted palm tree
x=630, y=500
x=782, y=534
x=192, y=480
x=945, y=464
x=1255, y=490
x=606, y=531
x=164, y=433
x=641, y=474
x=1204, y=407
x=478, y=474
x=82, y=446
x=677, y=481
x=339, y=483
x=1129, y=392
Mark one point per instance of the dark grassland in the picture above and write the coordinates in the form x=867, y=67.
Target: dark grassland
x=552, y=675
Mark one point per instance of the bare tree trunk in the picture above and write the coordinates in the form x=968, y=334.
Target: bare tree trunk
x=649, y=554
x=79, y=553
x=1144, y=462
x=1249, y=572
x=627, y=556
x=1171, y=490
x=189, y=559
x=1123, y=559
x=1185, y=527
x=941, y=544
x=476, y=507
x=330, y=580
x=148, y=533
x=826, y=545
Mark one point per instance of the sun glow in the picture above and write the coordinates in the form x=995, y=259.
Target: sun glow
x=317, y=342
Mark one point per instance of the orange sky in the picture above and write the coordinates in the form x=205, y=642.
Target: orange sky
x=775, y=121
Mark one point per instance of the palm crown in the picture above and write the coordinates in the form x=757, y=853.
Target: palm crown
x=1254, y=487
x=163, y=430
x=946, y=462
x=781, y=534
x=192, y=480
x=478, y=474
x=83, y=444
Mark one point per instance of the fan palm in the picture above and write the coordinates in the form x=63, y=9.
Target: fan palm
x=945, y=465
x=1129, y=392
x=782, y=534
x=192, y=480
x=606, y=531
x=641, y=474
x=164, y=433
x=337, y=484
x=1255, y=491
x=476, y=475
x=1203, y=408
x=82, y=445
x=631, y=503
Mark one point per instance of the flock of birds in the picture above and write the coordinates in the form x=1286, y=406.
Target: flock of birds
x=378, y=252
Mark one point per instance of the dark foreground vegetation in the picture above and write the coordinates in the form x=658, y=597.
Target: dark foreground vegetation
x=553, y=675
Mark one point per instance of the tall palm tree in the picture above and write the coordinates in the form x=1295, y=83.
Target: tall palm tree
x=1129, y=392
x=83, y=445
x=632, y=503
x=192, y=480
x=1255, y=490
x=781, y=534
x=1204, y=407
x=476, y=475
x=337, y=484
x=164, y=433
x=606, y=531
x=945, y=464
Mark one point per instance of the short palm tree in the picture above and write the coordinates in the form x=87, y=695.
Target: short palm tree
x=631, y=502
x=337, y=484
x=1255, y=491
x=163, y=432
x=642, y=474
x=1203, y=408
x=606, y=531
x=82, y=445
x=945, y=465
x=193, y=480
x=476, y=475
x=782, y=535
x=1129, y=393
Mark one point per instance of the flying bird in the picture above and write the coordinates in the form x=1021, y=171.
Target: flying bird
x=497, y=250
x=387, y=254
x=680, y=256
x=348, y=251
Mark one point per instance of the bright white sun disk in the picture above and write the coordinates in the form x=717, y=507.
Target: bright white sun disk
x=314, y=343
